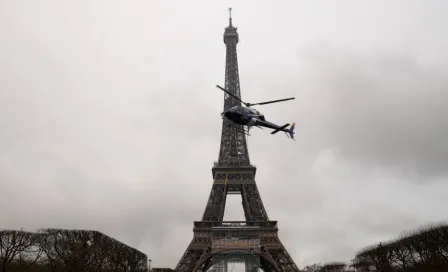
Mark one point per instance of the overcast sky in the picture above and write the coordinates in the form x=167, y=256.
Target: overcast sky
x=109, y=118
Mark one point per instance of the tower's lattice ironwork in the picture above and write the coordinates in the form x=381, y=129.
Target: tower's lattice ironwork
x=254, y=241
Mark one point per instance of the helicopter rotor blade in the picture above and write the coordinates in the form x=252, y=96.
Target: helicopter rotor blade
x=272, y=101
x=232, y=95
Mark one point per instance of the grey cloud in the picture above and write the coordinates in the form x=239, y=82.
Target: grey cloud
x=382, y=220
x=373, y=109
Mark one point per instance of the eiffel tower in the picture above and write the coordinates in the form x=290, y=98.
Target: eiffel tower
x=254, y=241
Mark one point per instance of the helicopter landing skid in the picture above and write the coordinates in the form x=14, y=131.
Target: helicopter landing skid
x=244, y=130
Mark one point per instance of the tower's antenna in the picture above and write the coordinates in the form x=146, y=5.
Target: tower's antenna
x=230, y=16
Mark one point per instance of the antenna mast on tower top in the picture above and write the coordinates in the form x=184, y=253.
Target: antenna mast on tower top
x=230, y=16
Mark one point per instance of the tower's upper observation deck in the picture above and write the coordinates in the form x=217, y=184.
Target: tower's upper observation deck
x=231, y=34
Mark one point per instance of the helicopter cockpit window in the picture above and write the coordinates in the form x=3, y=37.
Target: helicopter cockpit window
x=254, y=111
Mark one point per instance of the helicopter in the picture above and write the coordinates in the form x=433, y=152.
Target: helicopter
x=248, y=117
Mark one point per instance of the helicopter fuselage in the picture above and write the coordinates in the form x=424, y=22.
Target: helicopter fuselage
x=243, y=116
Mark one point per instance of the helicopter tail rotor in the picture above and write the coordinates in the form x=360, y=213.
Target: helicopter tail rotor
x=280, y=128
x=291, y=131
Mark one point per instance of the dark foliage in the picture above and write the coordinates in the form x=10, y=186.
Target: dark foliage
x=312, y=268
x=66, y=250
x=423, y=250
x=334, y=267
x=328, y=267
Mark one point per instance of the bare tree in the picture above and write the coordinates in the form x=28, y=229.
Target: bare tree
x=67, y=250
x=312, y=268
x=18, y=244
x=34, y=254
x=425, y=249
x=334, y=267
